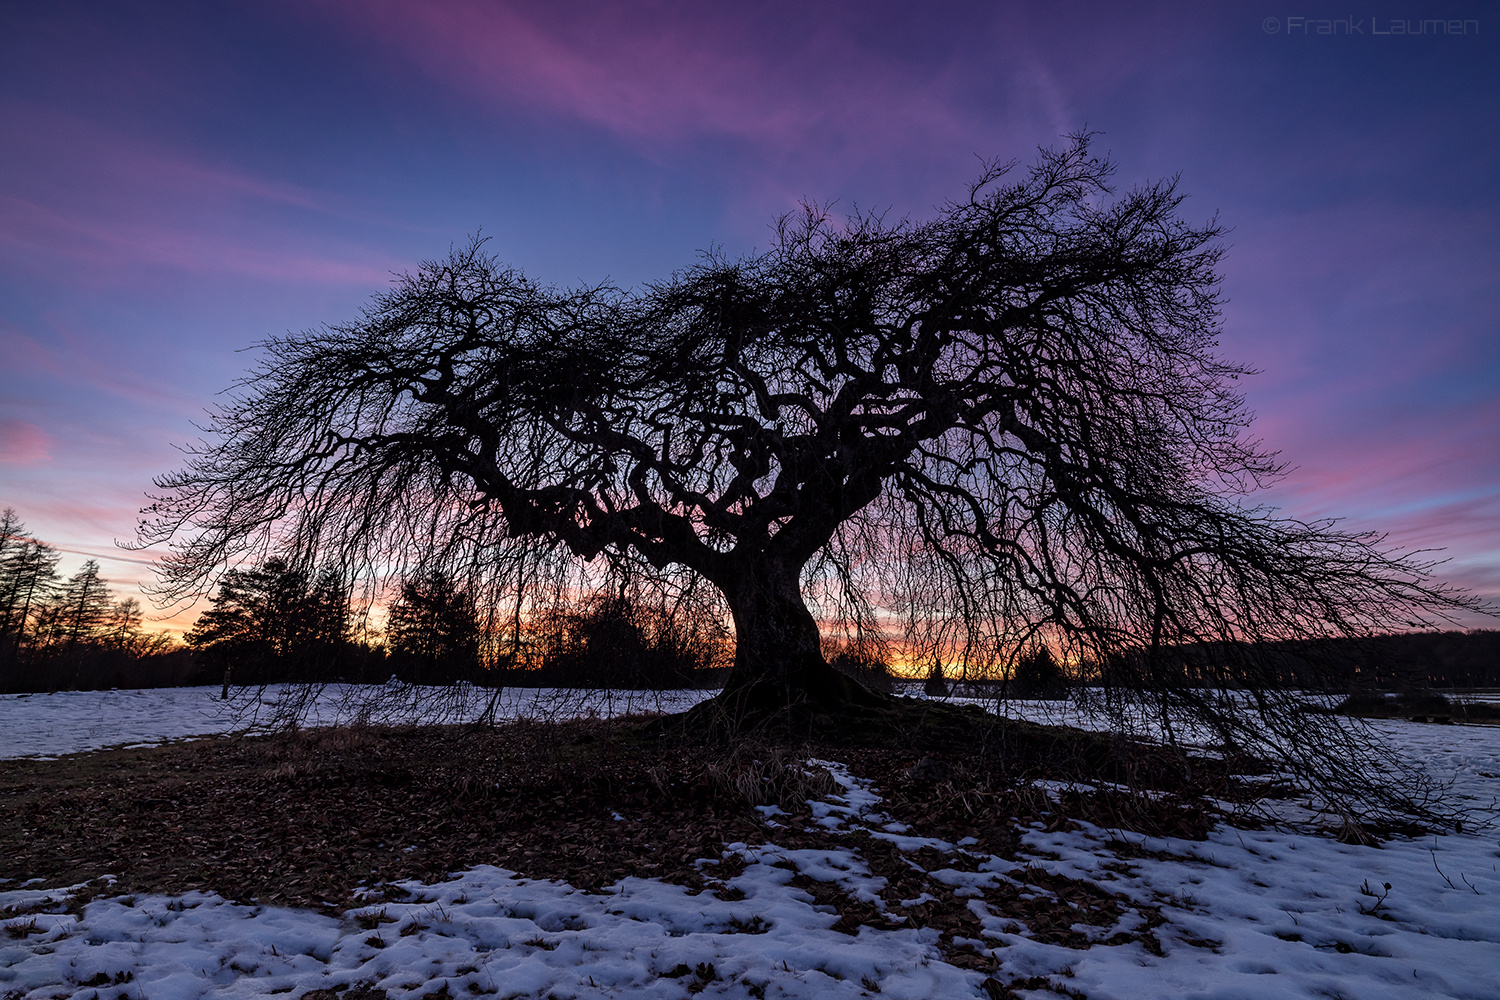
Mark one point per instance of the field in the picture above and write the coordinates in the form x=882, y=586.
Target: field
x=583, y=858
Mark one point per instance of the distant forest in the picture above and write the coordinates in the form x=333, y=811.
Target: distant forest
x=272, y=622
x=1413, y=660
x=74, y=634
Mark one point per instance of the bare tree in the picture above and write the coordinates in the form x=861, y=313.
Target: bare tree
x=124, y=631
x=1002, y=428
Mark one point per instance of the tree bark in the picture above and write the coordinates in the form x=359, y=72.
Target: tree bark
x=778, y=659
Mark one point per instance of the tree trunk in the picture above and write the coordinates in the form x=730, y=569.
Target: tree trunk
x=778, y=658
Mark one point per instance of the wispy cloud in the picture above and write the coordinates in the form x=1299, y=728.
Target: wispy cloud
x=882, y=103
x=114, y=205
x=37, y=229
x=23, y=443
x=73, y=358
x=704, y=70
x=1442, y=450
x=786, y=104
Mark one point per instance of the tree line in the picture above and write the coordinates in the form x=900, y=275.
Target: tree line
x=75, y=632
x=275, y=622
x=272, y=622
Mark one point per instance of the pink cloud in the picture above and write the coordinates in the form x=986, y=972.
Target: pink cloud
x=1398, y=461
x=81, y=191
x=1426, y=483
x=22, y=443
x=644, y=78
x=1372, y=325
x=1466, y=525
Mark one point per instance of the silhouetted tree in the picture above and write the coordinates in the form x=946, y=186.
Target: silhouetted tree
x=433, y=630
x=124, y=631
x=609, y=639
x=867, y=662
x=78, y=610
x=269, y=623
x=1007, y=425
x=1038, y=675
x=72, y=634
x=28, y=573
x=327, y=625
x=12, y=533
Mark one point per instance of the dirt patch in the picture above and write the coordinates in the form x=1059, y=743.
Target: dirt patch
x=307, y=818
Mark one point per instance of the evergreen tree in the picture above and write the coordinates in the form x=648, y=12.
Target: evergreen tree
x=81, y=608
x=328, y=620
x=433, y=629
x=269, y=622
x=12, y=532
x=1038, y=675
x=616, y=640
x=28, y=572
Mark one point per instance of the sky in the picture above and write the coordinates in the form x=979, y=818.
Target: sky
x=180, y=180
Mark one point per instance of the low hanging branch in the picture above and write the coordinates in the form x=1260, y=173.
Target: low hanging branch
x=1006, y=427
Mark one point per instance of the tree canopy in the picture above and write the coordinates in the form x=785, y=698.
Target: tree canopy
x=1001, y=428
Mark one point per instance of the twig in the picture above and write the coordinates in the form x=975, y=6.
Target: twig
x=1433, y=852
x=1379, y=897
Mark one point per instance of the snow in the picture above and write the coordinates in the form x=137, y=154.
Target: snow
x=1253, y=914
x=1297, y=916
x=489, y=929
x=47, y=725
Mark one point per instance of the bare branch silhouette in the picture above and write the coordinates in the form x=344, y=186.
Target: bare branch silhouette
x=1001, y=429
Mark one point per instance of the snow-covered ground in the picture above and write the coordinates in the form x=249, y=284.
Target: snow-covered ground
x=1254, y=914
x=46, y=725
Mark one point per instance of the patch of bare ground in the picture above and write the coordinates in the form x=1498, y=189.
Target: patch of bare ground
x=306, y=818
x=313, y=818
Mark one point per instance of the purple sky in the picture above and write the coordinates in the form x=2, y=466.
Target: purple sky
x=180, y=180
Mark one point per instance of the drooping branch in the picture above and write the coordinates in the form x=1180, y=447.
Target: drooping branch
x=1002, y=427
